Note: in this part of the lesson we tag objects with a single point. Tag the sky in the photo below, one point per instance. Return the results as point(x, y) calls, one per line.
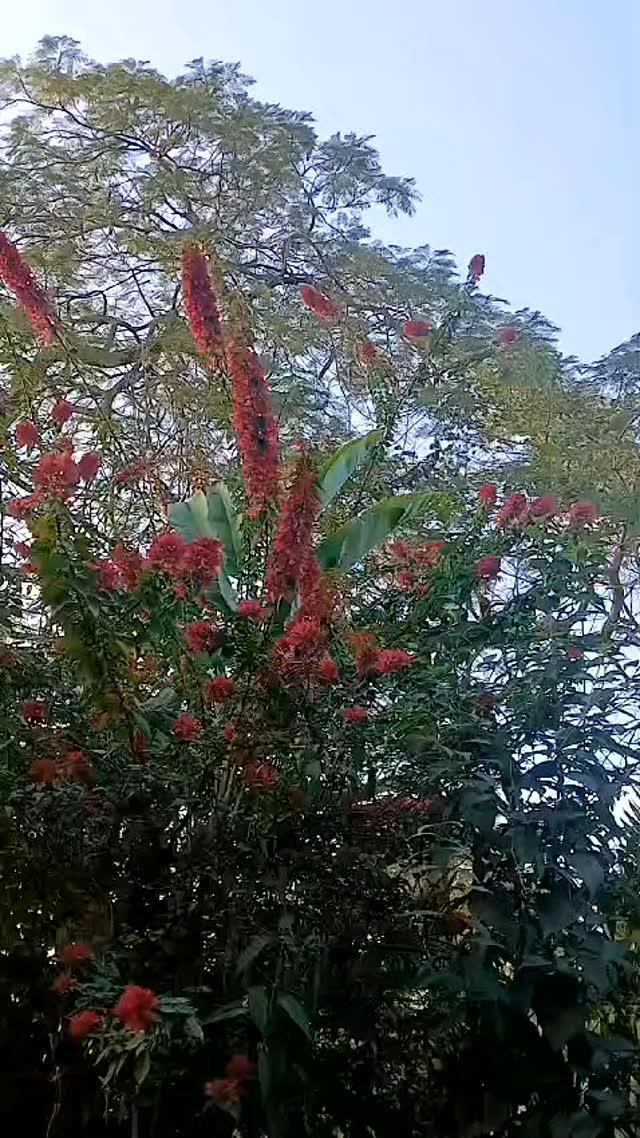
point(519, 120)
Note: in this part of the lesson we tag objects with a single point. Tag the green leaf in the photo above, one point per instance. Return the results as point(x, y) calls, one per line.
point(142, 1067)
point(259, 1007)
point(253, 951)
point(229, 1011)
point(295, 1011)
point(353, 541)
point(191, 518)
point(224, 524)
point(343, 463)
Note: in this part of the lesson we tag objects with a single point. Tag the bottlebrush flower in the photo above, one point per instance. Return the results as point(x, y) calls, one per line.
point(187, 728)
point(512, 509)
point(202, 560)
point(476, 266)
point(355, 714)
point(239, 1067)
point(260, 776)
point(26, 434)
point(130, 565)
point(76, 952)
point(201, 306)
point(20, 280)
point(292, 542)
point(63, 984)
point(33, 711)
point(223, 1092)
point(166, 553)
point(108, 574)
point(506, 336)
point(582, 514)
point(56, 474)
point(219, 689)
point(544, 507)
point(416, 329)
point(574, 652)
point(136, 1008)
point(199, 635)
point(131, 473)
point(61, 411)
point(20, 508)
point(486, 568)
point(84, 1023)
point(45, 771)
point(367, 353)
point(487, 496)
point(322, 306)
point(89, 465)
point(327, 671)
point(250, 610)
point(390, 660)
point(255, 427)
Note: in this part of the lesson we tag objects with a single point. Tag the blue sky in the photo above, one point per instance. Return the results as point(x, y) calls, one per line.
point(519, 119)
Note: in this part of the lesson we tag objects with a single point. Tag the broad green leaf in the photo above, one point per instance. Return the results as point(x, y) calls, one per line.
point(259, 1007)
point(191, 518)
point(295, 1011)
point(229, 1011)
point(354, 540)
point(223, 521)
point(212, 517)
point(253, 950)
point(342, 464)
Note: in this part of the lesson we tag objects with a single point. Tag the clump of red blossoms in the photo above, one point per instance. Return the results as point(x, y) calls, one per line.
point(20, 508)
point(476, 266)
point(89, 465)
point(260, 776)
point(56, 474)
point(367, 353)
point(355, 714)
point(487, 495)
point(506, 336)
point(219, 689)
point(63, 984)
point(199, 635)
point(45, 771)
point(129, 564)
point(512, 509)
point(327, 670)
point(187, 728)
point(201, 306)
point(292, 542)
point(228, 1091)
point(544, 507)
point(574, 652)
point(255, 427)
point(202, 560)
point(131, 473)
point(166, 553)
point(136, 1008)
point(33, 711)
point(20, 280)
point(77, 952)
point(487, 568)
point(84, 1023)
point(322, 306)
point(390, 660)
point(416, 329)
point(582, 514)
point(250, 610)
point(61, 411)
point(26, 434)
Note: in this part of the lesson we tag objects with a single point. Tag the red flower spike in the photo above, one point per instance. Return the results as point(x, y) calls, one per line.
point(201, 306)
point(255, 427)
point(108, 574)
point(574, 652)
point(26, 434)
point(77, 952)
point(292, 542)
point(487, 496)
point(260, 776)
point(327, 671)
point(239, 1068)
point(45, 771)
point(476, 266)
point(187, 728)
point(33, 711)
point(416, 329)
point(544, 507)
point(199, 635)
point(512, 509)
point(20, 280)
point(322, 306)
point(202, 560)
point(56, 474)
point(20, 508)
point(63, 984)
point(250, 610)
point(219, 689)
point(229, 731)
point(355, 714)
point(89, 465)
point(506, 336)
point(367, 353)
point(136, 1008)
point(61, 411)
point(223, 1092)
point(582, 514)
point(390, 660)
point(84, 1023)
point(487, 568)
point(129, 564)
point(166, 553)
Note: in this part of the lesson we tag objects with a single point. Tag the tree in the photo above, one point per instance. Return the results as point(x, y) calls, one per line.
point(308, 807)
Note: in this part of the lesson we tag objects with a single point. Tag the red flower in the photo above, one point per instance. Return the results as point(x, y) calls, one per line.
point(108, 574)
point(198, 635)
point(506, 336)
point(224, 1092)
point(255, 427)
point(45, 771)
point(84, 1023)
point(202, 560)
point(292, 542)
point(544, 507)
point(260, 776)
point(327, 670)
point(574, 652)
point(187, 728)
point(61, 411)
point(476, 266)
point(166, 553)
point(582, 514)
point(55, 474)
point(392, 660)
point(131, 473)
point(404, 579)
point(77, 952)
point(416, 329)
point(367, 353)
point(89, 465)
point(33, 711)
point(26, 434)
point(136, 1008)
point(229, 731)
point(239, 1068)
point(250, 610)
point(20, 508)
point(355, 714)
point(201, 306)
point(129, 564)
point(512, 509)
point(487, 495)
point(219, 689)
point(63, 984)
point(365, 650)
point(19, 279)
point(486, 568)
point(322, 306)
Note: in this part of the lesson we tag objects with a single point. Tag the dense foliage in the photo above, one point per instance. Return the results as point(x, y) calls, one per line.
point(312, 737)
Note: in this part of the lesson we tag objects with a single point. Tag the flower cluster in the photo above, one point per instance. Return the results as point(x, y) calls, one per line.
point(476, 266)
point(255, 427)
point(136, 1008)
point(415, 562)
point(417, 330)
point(61, 412)
point(487, 568)
point(20, 280)
point(367, 353)
point(187, 728)
point(322, 306)
point(199, 635)
point(374, 661)
point(201, 306)
point(228, 1091)
point(292, 542)
point(219, 689)
point(26, 434)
